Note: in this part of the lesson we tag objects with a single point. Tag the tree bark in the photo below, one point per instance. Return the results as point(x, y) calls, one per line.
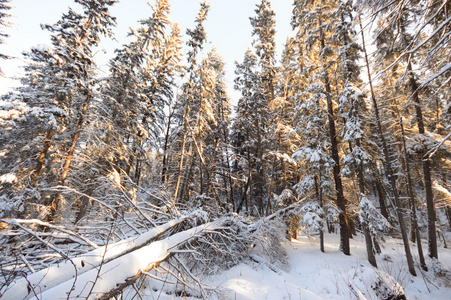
point(164, 168)
point(180, 170)
point(415, 228)
point(54, 206)
point(388, 164)
point(432, 236)
point(341, 201)
point(380, 194)
point(368, 239)
point(41, 158)
point(319, 196)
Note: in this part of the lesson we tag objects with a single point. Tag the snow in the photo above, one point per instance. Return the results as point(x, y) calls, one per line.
point(8, 178)
point(332, 275)
point(109, 274)
point(55, 275)
point(308, 274)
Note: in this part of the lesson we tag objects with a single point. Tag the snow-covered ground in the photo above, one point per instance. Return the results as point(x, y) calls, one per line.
point(312, 275)
point(332, 275)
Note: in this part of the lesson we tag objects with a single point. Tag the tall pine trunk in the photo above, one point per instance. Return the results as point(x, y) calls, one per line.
point(415, 228)
point(54, 206)
point(164, 168)
point(341, 202)
point(432, 237)
point(319, 196)
point(41, 158)
point(388, 165)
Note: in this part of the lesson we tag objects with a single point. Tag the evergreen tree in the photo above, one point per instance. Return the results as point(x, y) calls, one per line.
point(58, 86)
point(263, 25)
point(315, 22)
point(244, 129)
point(140, 87)
point(397, 38)
point(389, 163)
point(186, 121)
point(4, 7)
point(352, 105)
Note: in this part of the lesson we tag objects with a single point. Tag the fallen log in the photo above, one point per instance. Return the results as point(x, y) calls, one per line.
point(123, 271)
point(39, 282)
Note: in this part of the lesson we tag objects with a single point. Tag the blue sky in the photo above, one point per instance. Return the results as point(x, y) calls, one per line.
point(228, 28)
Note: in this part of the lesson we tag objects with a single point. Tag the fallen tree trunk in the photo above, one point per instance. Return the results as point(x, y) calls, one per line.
point(48, 278)
point(119, 273)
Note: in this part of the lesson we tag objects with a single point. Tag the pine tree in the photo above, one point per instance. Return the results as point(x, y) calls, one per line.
point(310, 122)
point(263, 25)
point(185, 104)
point(58, 87)
point(244, 127)
point(315, 21)
point(4, 7)
point(389, 169)
point(140, 87)
point(352, 106)
point(399, 43)
point(217, 109)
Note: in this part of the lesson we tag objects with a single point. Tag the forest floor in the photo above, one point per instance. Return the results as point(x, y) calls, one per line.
point(312, 275)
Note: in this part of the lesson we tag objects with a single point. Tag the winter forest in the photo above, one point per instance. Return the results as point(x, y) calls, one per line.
point(328, 178)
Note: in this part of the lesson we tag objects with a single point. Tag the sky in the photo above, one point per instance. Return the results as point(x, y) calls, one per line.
point(228, 29)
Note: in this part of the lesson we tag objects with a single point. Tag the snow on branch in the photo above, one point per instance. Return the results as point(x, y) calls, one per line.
point(55, 275)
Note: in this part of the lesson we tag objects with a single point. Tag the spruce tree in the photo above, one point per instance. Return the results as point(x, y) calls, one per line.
point(4, 7)
point(59, 85)
point(263, 32)
point(244, 127)
point(140, 88)
point(315, 22)
point(388, 163)
point(186, 121)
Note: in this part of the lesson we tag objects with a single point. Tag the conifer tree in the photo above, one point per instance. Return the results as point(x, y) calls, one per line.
point(140, 87)
point(185, 104)
point(291, 81)
point(388, 163)
point(58, 87)
point(4, 7)
point(244, 128)
point(217, 109)
point(315, 20)
point(397, 38)
point(352, 106)
point(263, 25)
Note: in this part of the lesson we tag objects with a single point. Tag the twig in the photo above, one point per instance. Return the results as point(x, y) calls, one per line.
point(39, 222)
point(15, 223)
point(158, 278)
point(103, 259)
point(59, 188)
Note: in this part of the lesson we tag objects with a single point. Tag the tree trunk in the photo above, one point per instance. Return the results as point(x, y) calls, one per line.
point(368, 239)
point(388, 164)
point(261, 170)
point(319, 196)
point(244, 197)
point(180, 170)
point(54, 206)
point(190, 165)
point(415, 228)
point(41, 158)
point(164, 168)
point(77, 133)
point(211, 170)
point(432, 237)
point(341, 202)
point(251, 194)
point(380, 194)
